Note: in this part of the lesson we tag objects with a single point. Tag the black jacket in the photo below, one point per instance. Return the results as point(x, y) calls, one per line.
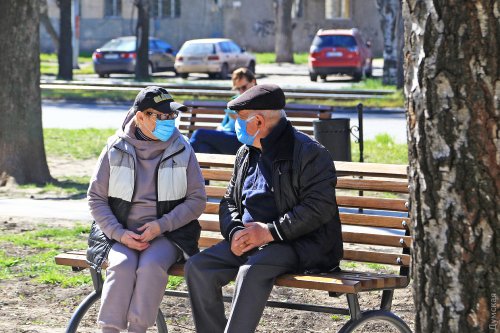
point(303, 181)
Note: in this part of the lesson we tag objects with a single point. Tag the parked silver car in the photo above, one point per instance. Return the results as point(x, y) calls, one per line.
point(218, 57)
point(119, 56)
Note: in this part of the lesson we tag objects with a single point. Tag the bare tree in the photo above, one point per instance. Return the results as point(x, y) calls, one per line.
point(452, 84)
point(45, 20)
point(22, 154)
point(283, 43)
point(65, 51)
point(142, 34)
point(390, 12)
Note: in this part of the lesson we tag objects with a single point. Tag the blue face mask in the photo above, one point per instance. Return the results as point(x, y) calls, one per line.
point(241, 131)
point(164, 129)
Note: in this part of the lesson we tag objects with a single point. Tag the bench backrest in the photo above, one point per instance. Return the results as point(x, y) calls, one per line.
point(375, 223)
point(209, 114)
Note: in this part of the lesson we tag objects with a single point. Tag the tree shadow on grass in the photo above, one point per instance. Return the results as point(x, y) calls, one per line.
point(66, 189)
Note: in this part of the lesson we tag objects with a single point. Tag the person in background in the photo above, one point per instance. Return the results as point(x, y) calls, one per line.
point(223, 140)
point(279, 215)
point(145, 196)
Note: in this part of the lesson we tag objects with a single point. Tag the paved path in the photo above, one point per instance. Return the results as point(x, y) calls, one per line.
point(45, 208)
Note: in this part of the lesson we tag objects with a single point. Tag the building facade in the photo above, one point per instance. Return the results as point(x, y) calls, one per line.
point(250, 23)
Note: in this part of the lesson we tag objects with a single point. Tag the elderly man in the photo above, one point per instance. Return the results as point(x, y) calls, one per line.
point(279, 215)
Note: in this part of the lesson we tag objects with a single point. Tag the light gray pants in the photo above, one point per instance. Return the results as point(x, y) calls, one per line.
point(135, 284)
point(209, 270)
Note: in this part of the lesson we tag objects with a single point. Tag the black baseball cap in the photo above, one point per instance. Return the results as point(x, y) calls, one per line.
point(259, 97)
point(157, 98)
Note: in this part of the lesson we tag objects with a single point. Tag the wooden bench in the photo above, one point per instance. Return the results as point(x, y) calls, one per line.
point(375, 230)
point(209, 114)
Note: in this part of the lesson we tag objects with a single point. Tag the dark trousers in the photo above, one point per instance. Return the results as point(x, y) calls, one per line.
point(209, 270)
point(214, 142)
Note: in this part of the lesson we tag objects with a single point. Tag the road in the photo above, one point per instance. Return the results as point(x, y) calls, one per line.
point(107, 115)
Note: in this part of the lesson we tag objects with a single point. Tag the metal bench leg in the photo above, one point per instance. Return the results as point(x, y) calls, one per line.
point(383, 316)
point(354, 309)
point(81, 310)
point(85, 305)
point(386, 302)
point(161, 324)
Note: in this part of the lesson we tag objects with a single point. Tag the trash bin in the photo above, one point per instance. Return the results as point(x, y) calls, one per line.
point(335, 135)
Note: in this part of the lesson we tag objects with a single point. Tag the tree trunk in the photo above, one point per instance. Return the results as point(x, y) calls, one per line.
point(452, 73)
point(65, 52)
point(22, 154)
point(390, 11)
point(142, 35)
point(44, 19)
point(283, 43)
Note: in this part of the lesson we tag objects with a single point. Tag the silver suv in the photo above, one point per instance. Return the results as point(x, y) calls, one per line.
point(218, 57)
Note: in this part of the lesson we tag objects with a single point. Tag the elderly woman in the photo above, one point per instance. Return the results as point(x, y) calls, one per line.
point(145, 196)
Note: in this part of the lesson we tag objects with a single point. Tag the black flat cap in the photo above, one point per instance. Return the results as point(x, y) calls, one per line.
point(259, 97)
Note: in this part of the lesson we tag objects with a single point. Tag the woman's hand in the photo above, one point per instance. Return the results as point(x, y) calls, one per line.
point(133, 241)
point(150, 231)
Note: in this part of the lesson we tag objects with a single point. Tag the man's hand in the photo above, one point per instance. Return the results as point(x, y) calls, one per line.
point(254, 235)
point(237, 244)
point(132, 240)
point(150, 231)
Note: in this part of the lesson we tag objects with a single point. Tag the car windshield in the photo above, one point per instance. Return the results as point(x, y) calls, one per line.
point(201, 48)
point(334, 41)
point(123, 45)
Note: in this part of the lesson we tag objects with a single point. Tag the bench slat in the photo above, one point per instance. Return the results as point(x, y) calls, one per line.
point(372, 203)
point(343, 168)
point(377, 257)
point(372, 185)
point(217, 174)
point(343, 201)
point(345, 281)
point(371, 239)
point(374, 220)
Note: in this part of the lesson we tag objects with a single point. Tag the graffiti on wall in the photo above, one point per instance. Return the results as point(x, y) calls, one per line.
point(264, 28)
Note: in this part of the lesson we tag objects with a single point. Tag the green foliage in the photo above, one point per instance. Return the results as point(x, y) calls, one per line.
point(348, 265)
point(336, 317)
point(76, 143)
point(174, 282)
point(49, 64)
point(270, 58)
point(40, 248)
point(382, 149)
point(372, 83)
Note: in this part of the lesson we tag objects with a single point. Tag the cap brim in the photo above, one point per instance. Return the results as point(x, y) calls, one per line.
point(170, 106)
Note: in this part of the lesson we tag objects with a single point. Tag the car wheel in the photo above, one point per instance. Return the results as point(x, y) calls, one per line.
point(323, 77)
point(251, 66)
point(369, 70)
point(313, 76)
point(184, 75)
point(357, 75)
point(102, 75)
point(212, 75)
point(224, 71)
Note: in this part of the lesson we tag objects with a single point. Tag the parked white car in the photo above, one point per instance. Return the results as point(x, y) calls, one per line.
point(217, 57)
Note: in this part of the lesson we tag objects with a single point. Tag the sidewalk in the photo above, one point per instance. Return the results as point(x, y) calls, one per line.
point(45, 208)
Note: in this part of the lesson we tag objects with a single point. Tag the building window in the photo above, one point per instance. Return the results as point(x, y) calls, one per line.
point(165, 8)
point(335, 9)
point(112, 8)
